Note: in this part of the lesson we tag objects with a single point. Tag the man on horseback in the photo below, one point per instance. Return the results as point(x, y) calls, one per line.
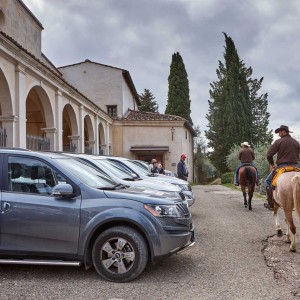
point(287, 150)
point(246, 156)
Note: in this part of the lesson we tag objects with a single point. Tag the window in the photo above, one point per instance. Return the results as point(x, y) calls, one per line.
point(27, 175)
point(112, 110)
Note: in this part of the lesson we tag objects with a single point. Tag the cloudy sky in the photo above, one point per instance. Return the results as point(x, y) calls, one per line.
point(141, 36)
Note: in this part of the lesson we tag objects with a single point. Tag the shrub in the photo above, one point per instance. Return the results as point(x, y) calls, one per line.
point(227, 177)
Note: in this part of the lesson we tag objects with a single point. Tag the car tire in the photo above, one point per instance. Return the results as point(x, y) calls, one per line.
point(120, 254)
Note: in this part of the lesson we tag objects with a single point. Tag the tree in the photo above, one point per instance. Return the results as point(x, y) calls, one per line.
point(148, 102)
point(179, 103)
point(203, 168)
point(236, 114)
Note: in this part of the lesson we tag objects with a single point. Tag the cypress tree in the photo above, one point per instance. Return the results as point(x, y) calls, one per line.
point(179, 103)
point(235, 113)
point(148, 102)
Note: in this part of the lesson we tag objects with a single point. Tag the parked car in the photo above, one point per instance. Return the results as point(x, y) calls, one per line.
point(117, 174)
point(141, 172)
point(55, 210)
point(170, 173)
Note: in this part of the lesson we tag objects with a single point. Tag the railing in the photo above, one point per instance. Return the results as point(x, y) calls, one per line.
point(37, 143)
point(3, 137)
point(69, 148)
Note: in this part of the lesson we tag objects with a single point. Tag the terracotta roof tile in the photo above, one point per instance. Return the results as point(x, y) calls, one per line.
point(135, 115)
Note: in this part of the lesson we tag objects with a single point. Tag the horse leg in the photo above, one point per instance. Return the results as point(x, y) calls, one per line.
point(277, 224)
point(250, 201)
point(291, 231)
point(245, 195)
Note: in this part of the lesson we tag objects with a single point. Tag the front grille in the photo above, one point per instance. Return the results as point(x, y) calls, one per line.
point(184, 209)
point(182, 196)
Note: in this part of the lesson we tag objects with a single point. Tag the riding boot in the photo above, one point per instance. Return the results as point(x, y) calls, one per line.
point(270, 198)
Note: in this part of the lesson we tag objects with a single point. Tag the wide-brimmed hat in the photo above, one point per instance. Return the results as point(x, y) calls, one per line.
point(245, 144)
point(283, 127)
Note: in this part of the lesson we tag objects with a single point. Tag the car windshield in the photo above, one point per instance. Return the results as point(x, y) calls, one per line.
point(135, 168)
point(141, 164)
point(114, 169)
point(87, 174)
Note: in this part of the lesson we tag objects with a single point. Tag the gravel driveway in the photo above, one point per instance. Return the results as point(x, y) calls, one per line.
point(236, 256)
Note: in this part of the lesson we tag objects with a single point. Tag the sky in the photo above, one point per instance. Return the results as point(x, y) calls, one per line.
point(141, 35)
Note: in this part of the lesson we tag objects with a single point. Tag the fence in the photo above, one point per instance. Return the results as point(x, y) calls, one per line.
point(3, 137)
point(37, 143)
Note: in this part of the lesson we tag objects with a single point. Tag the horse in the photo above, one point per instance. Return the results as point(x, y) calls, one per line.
point(287, 196)
point(247, 179)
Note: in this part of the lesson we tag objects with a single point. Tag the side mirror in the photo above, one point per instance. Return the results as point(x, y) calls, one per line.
point(62, 189)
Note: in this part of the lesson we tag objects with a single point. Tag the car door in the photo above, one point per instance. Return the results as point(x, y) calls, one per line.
point(32, 220)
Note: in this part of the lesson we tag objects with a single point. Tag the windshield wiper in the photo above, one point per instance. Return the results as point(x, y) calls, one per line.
point(128, 178)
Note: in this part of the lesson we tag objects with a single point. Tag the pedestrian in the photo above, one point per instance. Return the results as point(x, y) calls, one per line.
point(160, 168)
point(153, 160)
point(246, 156)
point(182, 170)
point(287, 150)
point(155, 167)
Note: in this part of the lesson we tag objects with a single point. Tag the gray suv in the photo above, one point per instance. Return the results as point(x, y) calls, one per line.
point(57, 211)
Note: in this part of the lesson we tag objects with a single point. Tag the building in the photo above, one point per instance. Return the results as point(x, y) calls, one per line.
point(86, 107)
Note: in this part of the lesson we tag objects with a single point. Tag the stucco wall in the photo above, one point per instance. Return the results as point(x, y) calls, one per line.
point(104, 85)
point(146, 133)
point(19, 24)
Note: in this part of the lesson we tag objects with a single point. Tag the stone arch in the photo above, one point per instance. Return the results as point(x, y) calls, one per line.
point(39, 120)
point(6, 113)
point(70, 128)
point(89, 139)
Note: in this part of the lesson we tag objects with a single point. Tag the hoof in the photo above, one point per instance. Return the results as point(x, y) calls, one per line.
point(293, 250)
point(279, 232)
point(250, 208)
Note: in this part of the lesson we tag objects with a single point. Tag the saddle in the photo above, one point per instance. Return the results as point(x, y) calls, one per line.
point(277, 172)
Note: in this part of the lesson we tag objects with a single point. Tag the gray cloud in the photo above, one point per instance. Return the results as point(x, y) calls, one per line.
point(142, 35)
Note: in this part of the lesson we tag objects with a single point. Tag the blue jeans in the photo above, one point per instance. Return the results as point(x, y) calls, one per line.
point(269, 178)
point(236, 173)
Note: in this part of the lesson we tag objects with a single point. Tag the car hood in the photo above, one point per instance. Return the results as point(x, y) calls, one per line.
point(156, 184)
point(142, 195)
point(169, 179)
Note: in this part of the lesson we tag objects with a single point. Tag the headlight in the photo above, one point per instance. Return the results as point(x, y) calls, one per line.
point(163, 210)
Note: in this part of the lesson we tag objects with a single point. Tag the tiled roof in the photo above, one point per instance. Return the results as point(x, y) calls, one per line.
point(135, 115)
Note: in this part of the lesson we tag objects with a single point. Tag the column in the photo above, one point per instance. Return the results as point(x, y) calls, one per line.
point(81, 130)
point(9, 124)
point(20, 129)
point(50, 134)
point(59, 120)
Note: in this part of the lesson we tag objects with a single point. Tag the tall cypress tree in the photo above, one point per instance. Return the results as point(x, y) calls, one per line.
point(179, 103)
point(148, 102)
point(235, 113)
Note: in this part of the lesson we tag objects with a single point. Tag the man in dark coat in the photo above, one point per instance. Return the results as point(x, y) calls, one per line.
point(182, 170)
point(287, 150)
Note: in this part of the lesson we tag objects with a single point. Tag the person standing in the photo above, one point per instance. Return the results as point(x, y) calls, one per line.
point(151, 165)
point(287, 150)
point(182, 170)
point(246, 156)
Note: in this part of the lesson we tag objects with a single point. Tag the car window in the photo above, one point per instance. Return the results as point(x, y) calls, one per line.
point(29, 175)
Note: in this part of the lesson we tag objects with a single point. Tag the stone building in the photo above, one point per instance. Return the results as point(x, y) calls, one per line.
point(85, 107)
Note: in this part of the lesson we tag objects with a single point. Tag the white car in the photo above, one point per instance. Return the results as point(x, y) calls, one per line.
point(140, 172)
point(117, 174)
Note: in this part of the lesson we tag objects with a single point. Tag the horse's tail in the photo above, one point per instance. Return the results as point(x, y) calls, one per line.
point(296, 193)
point(249, 175)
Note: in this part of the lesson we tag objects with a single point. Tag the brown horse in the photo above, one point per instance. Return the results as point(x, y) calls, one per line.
point(287, 196)
point(247, 179)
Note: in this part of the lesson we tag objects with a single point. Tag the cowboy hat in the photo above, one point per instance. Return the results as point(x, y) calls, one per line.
point(245, 144)
point(283, 127)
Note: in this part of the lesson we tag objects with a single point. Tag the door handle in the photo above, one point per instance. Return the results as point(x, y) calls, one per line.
point(5, 207)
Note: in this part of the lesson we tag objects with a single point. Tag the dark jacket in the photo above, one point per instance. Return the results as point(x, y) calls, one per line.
point(182, 171)
point(287, 150)
point(246, 155)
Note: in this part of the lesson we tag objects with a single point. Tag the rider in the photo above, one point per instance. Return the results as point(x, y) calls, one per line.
point(287, 149)
point(246, 156)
